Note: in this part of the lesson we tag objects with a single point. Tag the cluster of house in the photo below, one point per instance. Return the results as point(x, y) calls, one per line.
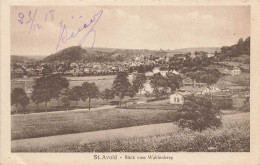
point(95, 67)
point(21, 69)
point(221, 91)
point(162, 72)
point(79, 68)
point(183, 56)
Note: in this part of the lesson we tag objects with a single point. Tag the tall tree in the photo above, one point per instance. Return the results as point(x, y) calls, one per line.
point(36, 98)
point(47, 88)
point(159, 84)
point(107, 94)
point(89, 91)
point(131, 92)
point(138, 82)
point(65, 98)
point(121, 85)
point(19, 97)
point(173, 81)
point(75, 94)
point(59, 84)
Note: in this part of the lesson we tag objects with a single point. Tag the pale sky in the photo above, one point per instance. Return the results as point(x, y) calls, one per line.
point(127, 27)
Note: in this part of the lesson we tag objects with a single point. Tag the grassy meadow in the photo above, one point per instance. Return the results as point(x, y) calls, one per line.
point(232, 136)
point(49, 124)
point(161, 104)
point(102, 82)
point(243, 79)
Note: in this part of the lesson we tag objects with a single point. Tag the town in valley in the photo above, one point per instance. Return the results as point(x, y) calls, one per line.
point(155, 79)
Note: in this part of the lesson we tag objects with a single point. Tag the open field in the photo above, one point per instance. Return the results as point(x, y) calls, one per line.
point(233, 136)
point(243, 79)
point(39, 125)
point(236, 64)
point(161, 105)
point(102, 82)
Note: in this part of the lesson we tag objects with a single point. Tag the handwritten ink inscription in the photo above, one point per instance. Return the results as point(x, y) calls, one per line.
point(63, 36)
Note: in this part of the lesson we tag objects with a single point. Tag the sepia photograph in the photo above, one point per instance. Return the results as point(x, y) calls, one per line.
point(130, 79)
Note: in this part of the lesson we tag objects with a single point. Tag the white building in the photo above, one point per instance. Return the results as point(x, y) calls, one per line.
point(74, 65)
point(147, 88)
point(179, 97)
point(236, 71)
point(218, 88)
point(148, 74)
point(233, 72)
point(174, 72)
point(156, 70)
point(210, 55)
point(137, 58)
point(163, 72)
point(192, 55)
point(205, 91)
point(87, 70)
point(214, 88)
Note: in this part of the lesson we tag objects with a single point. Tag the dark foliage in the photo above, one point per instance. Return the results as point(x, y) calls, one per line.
point(19, 97)
point(198, 113)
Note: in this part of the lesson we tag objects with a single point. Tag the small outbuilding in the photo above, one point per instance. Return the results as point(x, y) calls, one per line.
point(179, 97)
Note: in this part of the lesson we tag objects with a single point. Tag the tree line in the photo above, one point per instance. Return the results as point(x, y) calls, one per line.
point(49, 87)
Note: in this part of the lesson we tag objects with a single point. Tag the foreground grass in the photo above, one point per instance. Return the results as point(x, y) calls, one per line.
point(231, 137)
point(49, 124)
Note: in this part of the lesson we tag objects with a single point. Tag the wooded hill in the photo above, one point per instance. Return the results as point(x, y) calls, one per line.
point(242, 47)
point(76, 53)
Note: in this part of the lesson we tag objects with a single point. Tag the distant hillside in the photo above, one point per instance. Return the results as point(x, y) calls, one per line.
point(204, 49)
point(23, 59)
point(76, 53)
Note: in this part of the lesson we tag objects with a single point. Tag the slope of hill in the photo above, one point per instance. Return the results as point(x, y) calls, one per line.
point(23, 59)
point(70, 54)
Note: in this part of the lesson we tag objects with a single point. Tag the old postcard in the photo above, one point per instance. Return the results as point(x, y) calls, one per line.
point(154, 82)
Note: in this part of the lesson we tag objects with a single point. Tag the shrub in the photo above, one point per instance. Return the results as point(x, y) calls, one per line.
point(197, 113)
